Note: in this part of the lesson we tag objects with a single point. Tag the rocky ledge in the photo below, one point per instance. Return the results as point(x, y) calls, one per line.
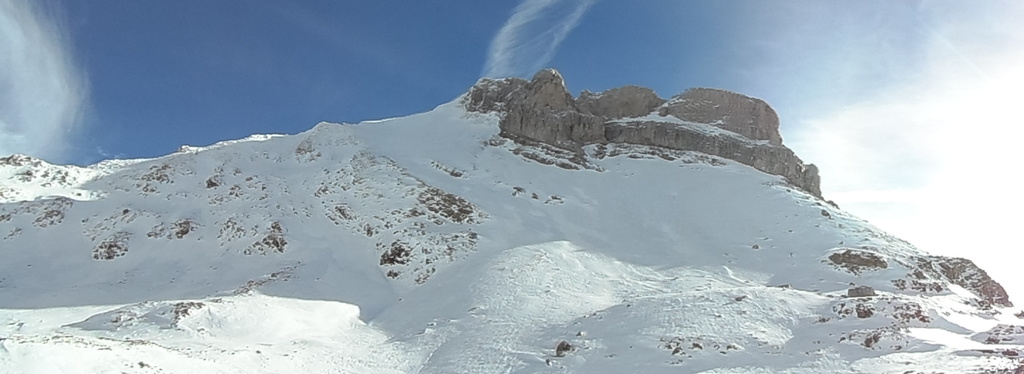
point(711, 121)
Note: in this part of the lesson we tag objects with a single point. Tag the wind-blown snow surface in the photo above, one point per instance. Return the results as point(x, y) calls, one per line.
point(427, 244)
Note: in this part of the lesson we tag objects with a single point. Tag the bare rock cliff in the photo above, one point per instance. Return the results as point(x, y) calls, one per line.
point(543, 110)
point(622, 102)
point(778, 160)
point(747, 116)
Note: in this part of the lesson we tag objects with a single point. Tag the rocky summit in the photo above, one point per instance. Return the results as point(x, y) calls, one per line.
point(710, 121)
point(514, 229)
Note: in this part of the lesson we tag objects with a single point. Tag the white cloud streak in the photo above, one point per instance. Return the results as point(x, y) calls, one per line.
point(934, 157)
point(531, 36)
point(42, 93)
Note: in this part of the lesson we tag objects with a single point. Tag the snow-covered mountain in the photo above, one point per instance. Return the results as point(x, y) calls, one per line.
point(514, 229)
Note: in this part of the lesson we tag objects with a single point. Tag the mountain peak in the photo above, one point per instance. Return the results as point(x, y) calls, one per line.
point(712, 121)
point(548, 76)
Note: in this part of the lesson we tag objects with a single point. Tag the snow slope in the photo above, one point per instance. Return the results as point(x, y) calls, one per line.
point(427, 244)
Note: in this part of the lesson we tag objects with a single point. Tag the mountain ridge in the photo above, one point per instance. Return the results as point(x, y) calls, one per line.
point(443, 242)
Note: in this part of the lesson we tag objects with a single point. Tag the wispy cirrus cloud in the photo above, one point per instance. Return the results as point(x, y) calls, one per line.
point(531, 36)
point(42, 92)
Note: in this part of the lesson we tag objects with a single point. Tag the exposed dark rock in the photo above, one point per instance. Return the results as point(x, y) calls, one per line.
point(964, 273)
point(922, 285)
point(448, 205)
point(1000, 334)
point(183, 309)
point(855, 261)
point(113, 247)
point(273, 242)
point(176, 230)
point(542, 110)
point(864, 310)
point(398, 254)
point(562, 348)
point(872, 339)
point(17, 159)
point(862, 291)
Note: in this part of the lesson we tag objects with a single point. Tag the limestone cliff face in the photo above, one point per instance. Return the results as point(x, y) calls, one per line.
point(747, 116)
point(622, 102)
point(543, 110)
point(540, 110)
point(772, 159)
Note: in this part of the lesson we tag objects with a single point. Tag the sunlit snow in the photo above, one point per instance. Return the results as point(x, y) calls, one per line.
point(266, 257)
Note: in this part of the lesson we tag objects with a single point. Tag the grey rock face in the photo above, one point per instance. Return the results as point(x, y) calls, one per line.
point(622, 102)
point(547, 91)
point(490, 95)
point(744, 115)
point(768, 158)
point(543, 110)
point(862, 291)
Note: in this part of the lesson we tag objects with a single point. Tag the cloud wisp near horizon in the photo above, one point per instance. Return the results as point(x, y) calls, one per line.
point(43, 91)
point(531, 36)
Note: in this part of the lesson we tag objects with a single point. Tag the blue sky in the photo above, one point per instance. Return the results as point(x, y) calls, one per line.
point(908, 107)
point(159, 74)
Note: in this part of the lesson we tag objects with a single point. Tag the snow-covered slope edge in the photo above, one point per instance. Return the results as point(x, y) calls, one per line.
point(430, 244)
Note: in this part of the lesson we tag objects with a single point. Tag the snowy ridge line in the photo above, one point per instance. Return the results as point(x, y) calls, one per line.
point(427, 244)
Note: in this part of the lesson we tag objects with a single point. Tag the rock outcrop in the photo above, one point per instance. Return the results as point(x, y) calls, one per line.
point(966, 274)
point(543, 110)
point(861, 291)
point(622, 102)
point(492, 95)
point(778, 160)
point(715, 122)
point(747, 116)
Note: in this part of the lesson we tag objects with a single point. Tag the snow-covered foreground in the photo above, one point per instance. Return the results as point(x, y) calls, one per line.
point(426, 244)
point(502, 314)
point(253, 334)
